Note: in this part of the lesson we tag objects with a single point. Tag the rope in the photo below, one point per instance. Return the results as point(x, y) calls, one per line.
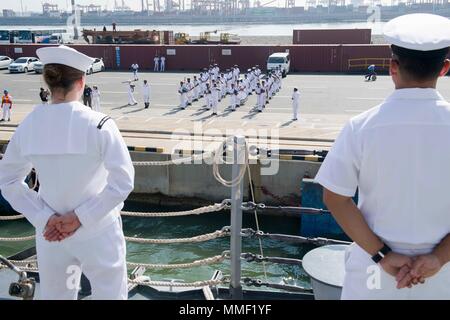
point(196, 284)
point(9, 218)
point(196, 263)
point(201, 238)
point(174, 161)
point(256, 218)
point(27, 238)
point(218, 157)
point(225, 204)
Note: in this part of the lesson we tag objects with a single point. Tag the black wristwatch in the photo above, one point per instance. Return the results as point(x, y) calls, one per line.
point(381, 254)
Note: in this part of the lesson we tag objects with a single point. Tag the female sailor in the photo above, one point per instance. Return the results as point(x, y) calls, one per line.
point(85, 173)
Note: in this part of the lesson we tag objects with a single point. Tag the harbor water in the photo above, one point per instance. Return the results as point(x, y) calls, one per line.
point(189, 226)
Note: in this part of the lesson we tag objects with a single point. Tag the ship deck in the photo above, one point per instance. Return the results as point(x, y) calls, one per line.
point(327, 102)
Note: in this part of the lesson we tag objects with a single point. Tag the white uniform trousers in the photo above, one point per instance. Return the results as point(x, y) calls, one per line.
point(101, 257)
point(233, 101)
point(365, 280)
point(96, 104)
point(6, 112)
point(131, 99)
point(295, 107)
point(163, 66)
point(183, 100)
point(135, 75)
point(260, 101)
point(215, 104)
point(146, 98)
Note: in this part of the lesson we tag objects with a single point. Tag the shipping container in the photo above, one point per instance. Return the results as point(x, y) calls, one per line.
point(332, 36)
point(304, 58)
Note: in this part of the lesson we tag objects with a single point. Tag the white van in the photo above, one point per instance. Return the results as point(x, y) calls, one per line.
point(61, 38)
point(279, 59)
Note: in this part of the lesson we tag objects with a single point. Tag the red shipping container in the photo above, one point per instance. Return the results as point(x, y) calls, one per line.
point(332, 36)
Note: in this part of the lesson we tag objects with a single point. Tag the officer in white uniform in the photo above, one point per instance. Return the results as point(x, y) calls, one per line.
point(295, 104)
point(215, 93)
point(95, 98)
point(156, 61)
point(182, 90)
point(163, 64)
point(146, 94)
point(85, 173)
point(397, 154)
point(131, 100)
point(135, 68)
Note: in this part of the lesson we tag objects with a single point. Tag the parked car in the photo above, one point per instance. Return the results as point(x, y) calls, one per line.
point(38, 67)
point(96, 66)
point(23, 64)
point(5, 62)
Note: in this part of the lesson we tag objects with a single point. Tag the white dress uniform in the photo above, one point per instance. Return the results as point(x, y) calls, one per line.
point(183, 100)
point(96, 100)
point(146, 92)
point(295, 104)
point(215, 93)
point(81, 168)
point(135, 68)
point(131, 100)
point(156, 61)
point(162, 67)
point(403, 191)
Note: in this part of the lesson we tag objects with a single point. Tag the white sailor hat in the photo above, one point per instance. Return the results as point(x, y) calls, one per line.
point(418, 31)
point(66, 56)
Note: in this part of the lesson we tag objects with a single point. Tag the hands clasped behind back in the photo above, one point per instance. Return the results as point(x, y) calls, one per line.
point(60, 227)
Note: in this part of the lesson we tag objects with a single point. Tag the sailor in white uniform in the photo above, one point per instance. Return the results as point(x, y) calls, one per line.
point(295, 104)
point(182, 90)
point(156, 62)
point(135, 68)
point(163, 64)
point(146, 94)
point(85, 173)
point(95, 98)
point(401, 226)
point(215, 93)
point(130, 89)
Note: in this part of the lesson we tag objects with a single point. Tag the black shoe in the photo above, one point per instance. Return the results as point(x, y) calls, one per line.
point(214, 114)
point(2, 120)
point(9, 119)
point(259, 110)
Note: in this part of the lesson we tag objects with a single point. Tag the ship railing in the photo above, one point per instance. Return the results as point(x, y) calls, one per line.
point(240, 166)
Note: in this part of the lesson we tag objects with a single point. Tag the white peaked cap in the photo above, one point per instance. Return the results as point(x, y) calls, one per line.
point(66, 56)
point(418, 31)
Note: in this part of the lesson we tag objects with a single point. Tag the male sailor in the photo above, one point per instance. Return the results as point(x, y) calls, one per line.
point(401, 225)
point(259, 97)
point(215, 92)
point(6, 106)
point(190, 91)
point(196, 89)
point(163, 64)
point(85, 173)
point(182, 90)
point(135, 69)
point(156, 63)
point(146, 94)
point(233, 97)
point(95, 98)
point(131, 100)
point(208, 97)
point(295, 104)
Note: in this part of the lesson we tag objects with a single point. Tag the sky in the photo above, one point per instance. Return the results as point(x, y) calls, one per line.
point(36, 5)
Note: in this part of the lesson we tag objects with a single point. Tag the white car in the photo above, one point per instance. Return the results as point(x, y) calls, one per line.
point(38, 67)
point(279, 59)
point(5, 62)
point(23, 64)
point(97, 66)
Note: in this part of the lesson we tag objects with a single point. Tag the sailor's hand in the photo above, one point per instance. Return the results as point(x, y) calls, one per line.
point(51, 233)
point(68, 223)
point(423, 266)
point(394, 263)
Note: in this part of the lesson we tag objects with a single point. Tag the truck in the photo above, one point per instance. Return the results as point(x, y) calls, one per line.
point(61, 38)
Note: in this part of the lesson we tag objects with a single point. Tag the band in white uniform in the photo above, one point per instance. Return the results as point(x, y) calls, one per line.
point(85, 173)
point(401, 226)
